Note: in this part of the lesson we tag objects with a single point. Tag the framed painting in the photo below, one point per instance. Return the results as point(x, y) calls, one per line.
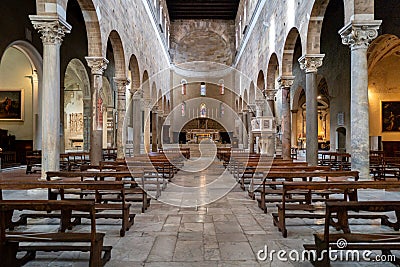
point(12, 104)
point(390, 116)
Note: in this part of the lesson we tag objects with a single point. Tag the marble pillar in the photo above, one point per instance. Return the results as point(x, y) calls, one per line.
point(97, 65)
point(245, 129)
point(154, 128)
point(87, 111)
point(294, 127)
point(161, 119)
point(358, 35)
point(52, 30)
point(250, 132)
point(137, 119)
point(285, 83)
point(240, 145)
point(146, 135)
point(121, 84)
point(310, 64)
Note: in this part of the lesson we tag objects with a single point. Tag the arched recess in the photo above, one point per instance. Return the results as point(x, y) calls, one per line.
point(77, 106)
point(260, 85)
point(160, 99)
point(119, 56)
point(252, 93)
point(37, 73)
point(287, 58)
point(153, 94)
point(272, 72)
point(245, 99)
point(108, 114)
point(135, 73)
point(20, 100)
point(146, 85)
point(91, 22)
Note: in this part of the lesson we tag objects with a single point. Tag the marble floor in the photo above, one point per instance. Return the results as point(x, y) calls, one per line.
point(192, 225)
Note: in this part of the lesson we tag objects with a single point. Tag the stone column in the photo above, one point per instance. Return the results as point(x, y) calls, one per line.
point(240, 145)
point(36, 113)
point(358, 35)
point(86, 123)
point(294, 127)
point(245, 129)
point(285, 83)
point(97, 65)
point(53, 30)
point(250, 132)
point(146, 137)
point(137, 119)
point(154, 128)
point(121, 112)
point(269, 109)
point(161, 119)
point(310, 64)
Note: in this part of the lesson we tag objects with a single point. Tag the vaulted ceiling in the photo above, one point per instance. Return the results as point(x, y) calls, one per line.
point(202, 9)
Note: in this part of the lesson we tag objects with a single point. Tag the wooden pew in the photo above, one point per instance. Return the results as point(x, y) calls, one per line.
point(95, 188)
point(355, 241)
point(270, 178)
point(54, 241)
point(348, 189)
point(133, 193)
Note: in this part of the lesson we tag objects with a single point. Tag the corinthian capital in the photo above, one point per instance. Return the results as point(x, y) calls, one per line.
point(52, 28)
point(311, 62)
point(285, 81)
point(121, 83)
point(97, 64)
point(270, 94)
point(358, 34)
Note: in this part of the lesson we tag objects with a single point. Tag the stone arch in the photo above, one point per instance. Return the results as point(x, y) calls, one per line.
point(245, 99)
point(76, 69)
point(288, 52)
point(91, 21)
point(76, 106)
point(160, 98)
point(146, 85)
point(260, 85)
point(296, 97)
point(272, 71)
point(382, 47)
point(351, 8)
point(135, 73)
point(252, 93)
point(118, 52)
point(153, 94)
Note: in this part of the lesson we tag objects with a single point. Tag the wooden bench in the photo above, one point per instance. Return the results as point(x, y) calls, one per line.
point(270, 181)
point(132, 192)
point(10, 241)
point(348, 189)
point(97, 189)
point(384, 241)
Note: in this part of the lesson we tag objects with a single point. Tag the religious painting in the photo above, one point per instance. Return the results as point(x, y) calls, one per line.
point(12, 104)
point(203, 110)
point(390, 116)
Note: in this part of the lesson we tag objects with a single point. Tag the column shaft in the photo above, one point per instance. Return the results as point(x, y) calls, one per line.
point(52, 30)
point(137, 126)
point(312, 119)
point(154, 129)
point(121, 109)
point(146, 138)
point(97, 65)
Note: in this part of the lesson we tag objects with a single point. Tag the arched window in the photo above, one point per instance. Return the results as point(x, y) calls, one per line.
point(221, 87)
point(203, 110)
point(203, 89)
point(183, 84)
